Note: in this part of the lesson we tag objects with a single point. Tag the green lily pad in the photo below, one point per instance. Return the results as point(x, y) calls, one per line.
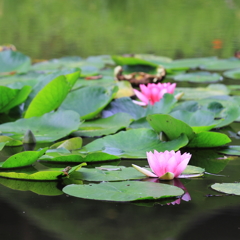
point(120, 173)
point(209, 139)
point(188, 63)
point(124, 89)
point(197, 119)
point(77, 156)
point(104, 126)
point(199, 93)
point(22, 159)
point(132, 61)
point(230, 150)
point(48, 175)
point(123, 191)
point(234, 74)
point(88, 106)
point(51, 96)
point(69, 144)
point(229, 188)
point(221, 64)
point(107, 174)
point(14, 61)
point(10, 142)
point(171, 126)
point(199, 77)
point(134, 143)
point(47, 128)
point(10, 98)
point(126, 105)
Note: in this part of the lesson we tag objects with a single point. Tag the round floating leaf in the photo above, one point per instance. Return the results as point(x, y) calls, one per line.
point(107, 173)
point(124, 105)
point(234, 74)
point(38, 176)
point(132, 61)
point(221, 64)
point(209, 139)
point(188, 63)
point(76, 156)
point(231, 150)
point(172, 127)
point(10, 142)
point(229, 188)
point(50, 97)
point(14, 61)
point(47, 128)
point(104, 126)
point(134, 143)
point(165, 105)
point(199, 93)
point(10, 98)
point(88, 106)
point(199, 77)
point(22, 159)
point(47, 175)
point(69, 144)
point(123, 191)
point(200, 120)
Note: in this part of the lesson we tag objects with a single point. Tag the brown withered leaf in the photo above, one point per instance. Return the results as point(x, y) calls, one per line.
point(137, 78)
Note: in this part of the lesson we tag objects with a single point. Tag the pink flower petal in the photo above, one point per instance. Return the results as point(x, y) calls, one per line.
point(142, 97)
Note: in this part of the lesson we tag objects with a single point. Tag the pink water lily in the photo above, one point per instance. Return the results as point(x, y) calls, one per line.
point(153, 92)
point(165, 165)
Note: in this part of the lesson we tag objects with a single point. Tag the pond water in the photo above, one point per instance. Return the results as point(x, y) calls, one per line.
point(51, 29)
point(46, 29)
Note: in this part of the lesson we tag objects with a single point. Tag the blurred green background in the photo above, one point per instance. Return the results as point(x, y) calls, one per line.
point(46, 29)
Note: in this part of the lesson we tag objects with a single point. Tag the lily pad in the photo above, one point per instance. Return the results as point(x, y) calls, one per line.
point(209, 139)
point(47, 128)
point(48, 175)
point(107, 174)
point(234, 74)
point(134, 143)
point(22, 159)
point(14, 61)
point(10, 98)
point(171, 126)
point(221, 64)
point(123, 191)
point(104, 126)
point(10, 142)
point(188, 63)
point(51, 96)
point(88, 106)
point(77, 156)
point(69, 144)
point(199, 77)
point(230, 150)
point(132, 61)
point(229, 188)
point(199, 93)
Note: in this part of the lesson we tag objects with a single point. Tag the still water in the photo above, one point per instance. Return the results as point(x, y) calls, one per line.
point(46, 29)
